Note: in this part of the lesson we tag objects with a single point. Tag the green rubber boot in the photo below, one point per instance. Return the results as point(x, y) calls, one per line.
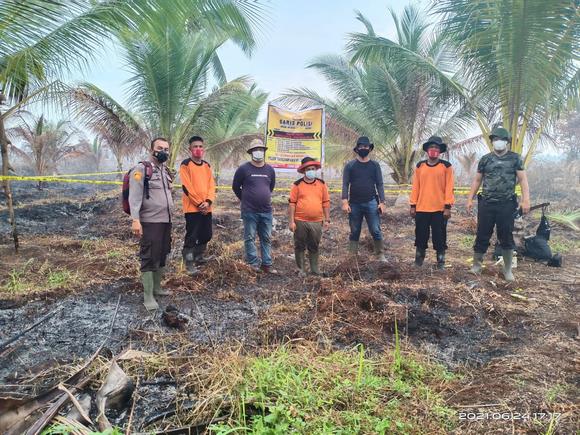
point(508, 256)
point(148, 299)
point(379, 251)
point(299, 257)
point(353, 247)
point(477, 263)
point(157, 277)
point(313, 259)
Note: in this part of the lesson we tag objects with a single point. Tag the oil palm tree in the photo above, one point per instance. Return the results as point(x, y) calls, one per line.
point(43, 144)
point(396, 103)
point(41, 40)
point(519, 60)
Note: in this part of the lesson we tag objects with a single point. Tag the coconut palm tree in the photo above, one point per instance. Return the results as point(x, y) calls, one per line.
point(396, 103)
point(519, 60)
point(168, 91)
point(228, 136)
point(41, 40)
point(43, 143)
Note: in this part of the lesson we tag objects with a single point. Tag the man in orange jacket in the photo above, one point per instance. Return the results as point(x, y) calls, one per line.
point(431, 201)
point(198, 197)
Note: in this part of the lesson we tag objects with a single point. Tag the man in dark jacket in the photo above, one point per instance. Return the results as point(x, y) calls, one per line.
point(363, 196)
point(151, 218)
point(253, 184)
point(499, 171)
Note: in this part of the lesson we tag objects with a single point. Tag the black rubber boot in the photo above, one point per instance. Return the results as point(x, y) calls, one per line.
point(441, 260)
point(419, 257)
point(189, 261)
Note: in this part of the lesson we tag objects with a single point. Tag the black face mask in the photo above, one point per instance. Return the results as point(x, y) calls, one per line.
point(363, 152)
point(161, 156)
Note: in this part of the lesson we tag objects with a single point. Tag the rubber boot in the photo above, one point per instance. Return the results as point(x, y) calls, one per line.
point(157, 277)
point(419, 257)
point(477, 263)
point(299, 257)
point(353, 247)
point(149, 301)
point(379, 251)
point(199, 256)
point(441, 260)
point(508, 255)
point(313, 259)
point(188, 260)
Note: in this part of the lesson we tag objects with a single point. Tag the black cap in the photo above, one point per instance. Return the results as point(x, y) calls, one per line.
point(435, 140)
point(363, 140)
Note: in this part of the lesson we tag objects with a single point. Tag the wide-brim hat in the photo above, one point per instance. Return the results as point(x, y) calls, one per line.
point(363, 140)
point(256, 143)
point(308, 161)
point(435, 140)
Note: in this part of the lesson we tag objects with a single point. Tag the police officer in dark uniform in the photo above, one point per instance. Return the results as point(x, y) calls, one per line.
point(499, 171)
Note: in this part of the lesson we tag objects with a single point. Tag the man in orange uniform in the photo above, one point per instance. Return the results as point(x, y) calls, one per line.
point(431, 201)
point(308, 213)
point(198, 197)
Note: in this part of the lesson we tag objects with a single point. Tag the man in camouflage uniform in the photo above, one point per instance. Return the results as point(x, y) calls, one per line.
point(499, 171)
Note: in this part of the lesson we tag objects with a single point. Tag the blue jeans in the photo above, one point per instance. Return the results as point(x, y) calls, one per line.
point(369, 211)
point(260, 223)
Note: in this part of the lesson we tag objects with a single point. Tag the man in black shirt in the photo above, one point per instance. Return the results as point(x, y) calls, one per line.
point(363, 196)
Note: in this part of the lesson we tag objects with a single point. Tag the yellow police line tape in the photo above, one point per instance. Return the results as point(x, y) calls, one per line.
point(55, 179)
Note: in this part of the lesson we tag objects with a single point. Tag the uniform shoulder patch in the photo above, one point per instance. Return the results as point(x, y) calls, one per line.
point(186, 162)
point(137, 175)
point(421, 162)
point(297, 182)
point(446, 163)
point(321, 180)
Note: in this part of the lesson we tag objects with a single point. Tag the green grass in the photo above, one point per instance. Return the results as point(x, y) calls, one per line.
point(563, 246)
point(340, 392)
point(467, 241)
point(22, 279)
point(63, 429)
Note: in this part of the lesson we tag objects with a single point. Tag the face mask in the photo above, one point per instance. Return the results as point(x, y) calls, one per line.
point(258, 155)
point(499, 145)
point(363, 152)
point(197, 153)
point(310, 173)
point(433, 153)
point(161, 156)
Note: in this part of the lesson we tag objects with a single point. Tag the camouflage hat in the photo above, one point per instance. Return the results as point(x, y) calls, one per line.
point(501, 133)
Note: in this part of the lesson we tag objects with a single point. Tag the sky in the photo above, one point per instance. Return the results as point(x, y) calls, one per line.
point(294, 32)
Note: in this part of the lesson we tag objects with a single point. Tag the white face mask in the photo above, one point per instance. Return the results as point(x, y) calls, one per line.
point(311, 174)
point(500, 144)
point(258, 155)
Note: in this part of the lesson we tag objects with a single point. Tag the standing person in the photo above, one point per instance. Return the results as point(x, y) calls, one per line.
point(363, 196)
point(198, 197)
point(499, 171)
point(431, 201)
point(308, 213)
point(151, 202)
point(253, 184)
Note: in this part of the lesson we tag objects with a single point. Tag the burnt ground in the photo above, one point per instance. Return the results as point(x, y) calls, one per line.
point(514, 353)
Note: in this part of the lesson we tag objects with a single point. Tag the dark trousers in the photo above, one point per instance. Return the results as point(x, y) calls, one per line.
point(155, 244)
point(434, 223)
point(499, 214)
point(307, 236)
point(198, 229)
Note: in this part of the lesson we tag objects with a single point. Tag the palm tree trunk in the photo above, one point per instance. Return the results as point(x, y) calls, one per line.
point(7, 191)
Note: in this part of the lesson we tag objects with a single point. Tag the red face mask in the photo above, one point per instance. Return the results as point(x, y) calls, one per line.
point(197, 153)
point(433, 153)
